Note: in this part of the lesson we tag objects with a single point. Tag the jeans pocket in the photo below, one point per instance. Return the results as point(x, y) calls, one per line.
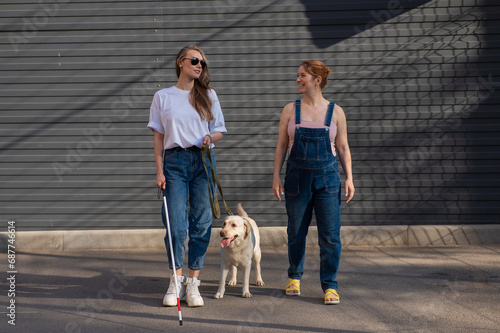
point(332, 179)
point(168, 153)
point(291, 180)
point(170, 157)
point(171, 162)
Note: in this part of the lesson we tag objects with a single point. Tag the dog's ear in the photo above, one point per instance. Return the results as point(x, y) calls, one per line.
point(248, 229)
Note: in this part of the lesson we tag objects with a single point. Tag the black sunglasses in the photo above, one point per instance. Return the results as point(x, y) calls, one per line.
point(195, 61)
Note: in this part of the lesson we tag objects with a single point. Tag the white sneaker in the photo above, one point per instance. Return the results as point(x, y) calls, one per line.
point(193, 297)
point(170, 298)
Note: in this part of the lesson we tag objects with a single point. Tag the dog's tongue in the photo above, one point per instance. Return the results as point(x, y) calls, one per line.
point(225, 242)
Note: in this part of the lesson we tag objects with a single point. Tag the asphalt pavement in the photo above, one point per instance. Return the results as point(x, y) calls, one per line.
point(382, 289)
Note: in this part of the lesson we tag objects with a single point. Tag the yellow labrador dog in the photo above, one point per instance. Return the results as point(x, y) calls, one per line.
point(240, 246)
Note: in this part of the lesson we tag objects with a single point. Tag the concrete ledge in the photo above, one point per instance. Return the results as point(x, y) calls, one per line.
point(396, 235)
point(85, 239)
point(113, 239)
point(270, 237)
point(453, 235)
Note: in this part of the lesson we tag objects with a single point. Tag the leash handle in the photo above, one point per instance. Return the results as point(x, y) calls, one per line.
point(214, 203)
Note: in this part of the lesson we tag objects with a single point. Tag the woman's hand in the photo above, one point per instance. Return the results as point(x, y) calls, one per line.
point(349, 189)
point(160, 181)
point(278, 187)
point(207, 140)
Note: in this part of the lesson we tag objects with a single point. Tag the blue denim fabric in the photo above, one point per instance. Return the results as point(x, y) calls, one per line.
point(312, 183)
point(319, 190)
point(186, 183)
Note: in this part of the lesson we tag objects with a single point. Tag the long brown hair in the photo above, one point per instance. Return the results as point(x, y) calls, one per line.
point(198, 97)
point(317, 69)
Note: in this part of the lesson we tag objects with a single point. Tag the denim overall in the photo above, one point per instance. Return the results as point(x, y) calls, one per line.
point(312, 182)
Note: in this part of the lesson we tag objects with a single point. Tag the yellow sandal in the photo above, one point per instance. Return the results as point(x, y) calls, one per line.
point(333, 296)
point(293, 287)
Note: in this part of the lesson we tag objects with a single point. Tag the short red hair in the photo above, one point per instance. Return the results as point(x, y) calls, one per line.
point(317, 69)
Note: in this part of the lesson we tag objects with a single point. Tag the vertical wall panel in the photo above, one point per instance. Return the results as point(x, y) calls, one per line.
point(418, 81)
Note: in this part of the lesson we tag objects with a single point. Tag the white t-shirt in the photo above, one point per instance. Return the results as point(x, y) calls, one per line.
point(171, 114)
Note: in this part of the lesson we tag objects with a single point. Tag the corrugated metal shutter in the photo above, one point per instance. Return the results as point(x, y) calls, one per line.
point(415, 78)
point(77, 80)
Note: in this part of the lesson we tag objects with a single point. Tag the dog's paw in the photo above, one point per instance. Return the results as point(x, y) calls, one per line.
point(219, 295)
point(259, 283)
point(246, 295)
point(231, 283)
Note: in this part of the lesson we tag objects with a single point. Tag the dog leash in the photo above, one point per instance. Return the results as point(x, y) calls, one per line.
point(214, 203)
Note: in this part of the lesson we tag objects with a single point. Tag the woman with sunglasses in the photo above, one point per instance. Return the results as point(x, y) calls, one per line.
point(313, 131)
point(185, 118)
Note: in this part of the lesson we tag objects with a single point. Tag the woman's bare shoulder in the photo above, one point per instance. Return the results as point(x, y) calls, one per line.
point(287, 111)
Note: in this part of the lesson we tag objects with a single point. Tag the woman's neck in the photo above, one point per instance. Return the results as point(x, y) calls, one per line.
point(185, 83)
point(314, 98)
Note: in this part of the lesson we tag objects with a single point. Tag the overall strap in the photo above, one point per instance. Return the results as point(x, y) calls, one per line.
point(297, 112)
point(329, 114)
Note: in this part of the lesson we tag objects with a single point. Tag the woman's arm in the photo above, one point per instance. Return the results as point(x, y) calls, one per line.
point(158, 149)
point(344, 152)
point(281, 147)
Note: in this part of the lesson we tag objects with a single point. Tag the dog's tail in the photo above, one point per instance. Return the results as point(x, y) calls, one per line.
point(240, 210)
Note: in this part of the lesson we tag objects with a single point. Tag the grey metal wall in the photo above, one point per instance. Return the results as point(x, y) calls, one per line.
point(417, 80)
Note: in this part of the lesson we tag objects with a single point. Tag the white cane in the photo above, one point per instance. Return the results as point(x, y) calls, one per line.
point(173, 258)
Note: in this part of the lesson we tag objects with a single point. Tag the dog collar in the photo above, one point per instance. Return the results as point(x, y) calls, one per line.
point(252, 234)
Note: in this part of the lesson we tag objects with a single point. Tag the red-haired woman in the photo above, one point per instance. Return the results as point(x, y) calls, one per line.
point(314, 131)
point(185, 118)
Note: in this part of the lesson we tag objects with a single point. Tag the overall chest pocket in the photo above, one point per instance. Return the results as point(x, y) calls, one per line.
point(312, 148)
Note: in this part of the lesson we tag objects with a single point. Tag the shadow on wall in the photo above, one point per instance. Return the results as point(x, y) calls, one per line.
point(485, 113)
point(424, 97)
point(331, 23)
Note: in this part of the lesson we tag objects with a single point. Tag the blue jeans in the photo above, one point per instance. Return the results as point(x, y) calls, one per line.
point(186, 182)
point(308, 189)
